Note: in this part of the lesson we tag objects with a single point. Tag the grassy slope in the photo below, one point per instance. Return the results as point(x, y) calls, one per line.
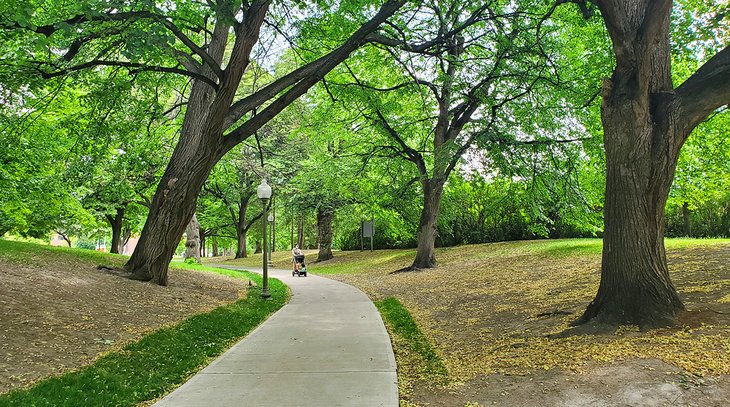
point(153, 366)
point(358, 262)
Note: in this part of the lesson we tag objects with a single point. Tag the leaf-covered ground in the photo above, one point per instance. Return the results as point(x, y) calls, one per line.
point(495, 313)
point(59, 312)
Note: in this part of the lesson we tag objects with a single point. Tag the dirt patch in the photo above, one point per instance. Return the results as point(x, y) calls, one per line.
point(499, 314)
point(61, 316)
point(646, 383)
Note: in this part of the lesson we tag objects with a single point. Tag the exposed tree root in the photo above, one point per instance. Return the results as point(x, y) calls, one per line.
point(117, 271)
point(405, 270)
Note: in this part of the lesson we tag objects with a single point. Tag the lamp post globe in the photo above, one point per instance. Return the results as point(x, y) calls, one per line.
point(263, 191)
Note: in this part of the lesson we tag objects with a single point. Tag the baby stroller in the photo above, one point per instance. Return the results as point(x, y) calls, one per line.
point(300, 269)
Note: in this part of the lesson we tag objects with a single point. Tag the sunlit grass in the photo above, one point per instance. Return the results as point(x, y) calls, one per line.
point(39, 255)
point(349, 262)
point(403, 329)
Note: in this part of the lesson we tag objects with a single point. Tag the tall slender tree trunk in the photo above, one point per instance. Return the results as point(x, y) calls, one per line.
point(291, 223)
point(241, 229)
point(203, 245)
point(126, 234)
point(215, 246)
point(116, 223)
point(300, 232)
point(687, 223)
point(426, 236)
point(324, 233)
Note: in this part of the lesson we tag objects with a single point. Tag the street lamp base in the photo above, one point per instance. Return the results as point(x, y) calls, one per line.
point(265, 293)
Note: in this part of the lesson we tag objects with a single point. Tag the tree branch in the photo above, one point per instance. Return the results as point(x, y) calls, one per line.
point(207, 59)
point(412, 155)
point(134, 65)
point(706, 90)
point(49, 29)
point(323, 66)
point(422, 48)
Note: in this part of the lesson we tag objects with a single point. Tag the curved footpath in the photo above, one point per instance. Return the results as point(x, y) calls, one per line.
point(326, 347)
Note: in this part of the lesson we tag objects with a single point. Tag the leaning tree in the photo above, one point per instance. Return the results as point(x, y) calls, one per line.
point(646, 121)
point(212, 43)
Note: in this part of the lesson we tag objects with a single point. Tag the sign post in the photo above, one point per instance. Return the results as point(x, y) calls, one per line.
point(368, 230)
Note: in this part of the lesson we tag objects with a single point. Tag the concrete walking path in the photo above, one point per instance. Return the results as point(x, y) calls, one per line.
point(326, 347)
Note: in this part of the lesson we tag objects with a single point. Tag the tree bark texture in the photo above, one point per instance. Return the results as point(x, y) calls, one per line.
point(192, 241)
point(209, 113)
point(646, 122)
point(426, 236)
point(325, 217)
point(214, 243)
point(241, 245)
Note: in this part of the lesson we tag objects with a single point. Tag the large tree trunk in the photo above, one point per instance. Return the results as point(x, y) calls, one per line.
point(172, 207)
point(426, 237)
point(193, 241)
point(642, 144)
point(215, 246)
point(324, 233)
point(116, 222)
point(646, 122)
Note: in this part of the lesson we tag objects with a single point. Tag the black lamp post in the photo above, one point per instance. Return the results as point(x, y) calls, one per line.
point(263, 191)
